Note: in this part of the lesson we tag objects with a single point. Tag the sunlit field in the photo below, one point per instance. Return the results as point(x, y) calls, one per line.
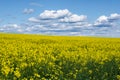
point(39, 57)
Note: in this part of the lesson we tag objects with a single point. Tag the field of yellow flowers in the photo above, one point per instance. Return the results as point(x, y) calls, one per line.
point(39, 57)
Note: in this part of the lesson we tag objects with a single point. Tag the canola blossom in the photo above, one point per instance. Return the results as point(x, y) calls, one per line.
point(40, 57)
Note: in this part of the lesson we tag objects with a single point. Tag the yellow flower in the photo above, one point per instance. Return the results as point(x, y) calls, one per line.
point(118, 77)
point(17, 73)
point(90, 71)
point(5, 70)
point(37, 75)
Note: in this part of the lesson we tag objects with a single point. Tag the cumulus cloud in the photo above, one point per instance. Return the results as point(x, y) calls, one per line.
point(33, 19)
point(114, 17)
point(11, 28)
point(64, 22)
point(102, 19)
point(54, 14)
point(28, 11)
point(61, 15)
point(107, 21)
point(59, 19)
point(118, 31)
point(74, 18)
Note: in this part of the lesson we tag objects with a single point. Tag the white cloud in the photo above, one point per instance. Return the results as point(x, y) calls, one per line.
point(11, 28)
point(28, 11)
point(64, 22)
point(20, 30)
point(104, 21)
point(53, 14)
point(62, 16)
point(74, 18)
point(114, 16)
point(33, 19)
point(15, 26)
point(60, 19)
point(118, 31)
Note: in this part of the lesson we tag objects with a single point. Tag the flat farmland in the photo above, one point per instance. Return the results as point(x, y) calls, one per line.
point(41, 57)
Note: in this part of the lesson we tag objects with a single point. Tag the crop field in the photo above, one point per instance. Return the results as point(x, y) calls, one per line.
point(39, 57)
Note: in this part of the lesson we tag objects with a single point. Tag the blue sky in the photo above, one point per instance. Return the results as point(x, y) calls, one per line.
point(61, 17)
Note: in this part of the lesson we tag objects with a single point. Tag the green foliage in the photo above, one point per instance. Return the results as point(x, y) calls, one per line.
point(34, 57)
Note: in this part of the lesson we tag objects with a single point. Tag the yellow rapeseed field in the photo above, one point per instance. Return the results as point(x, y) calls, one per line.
point(39, 57)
